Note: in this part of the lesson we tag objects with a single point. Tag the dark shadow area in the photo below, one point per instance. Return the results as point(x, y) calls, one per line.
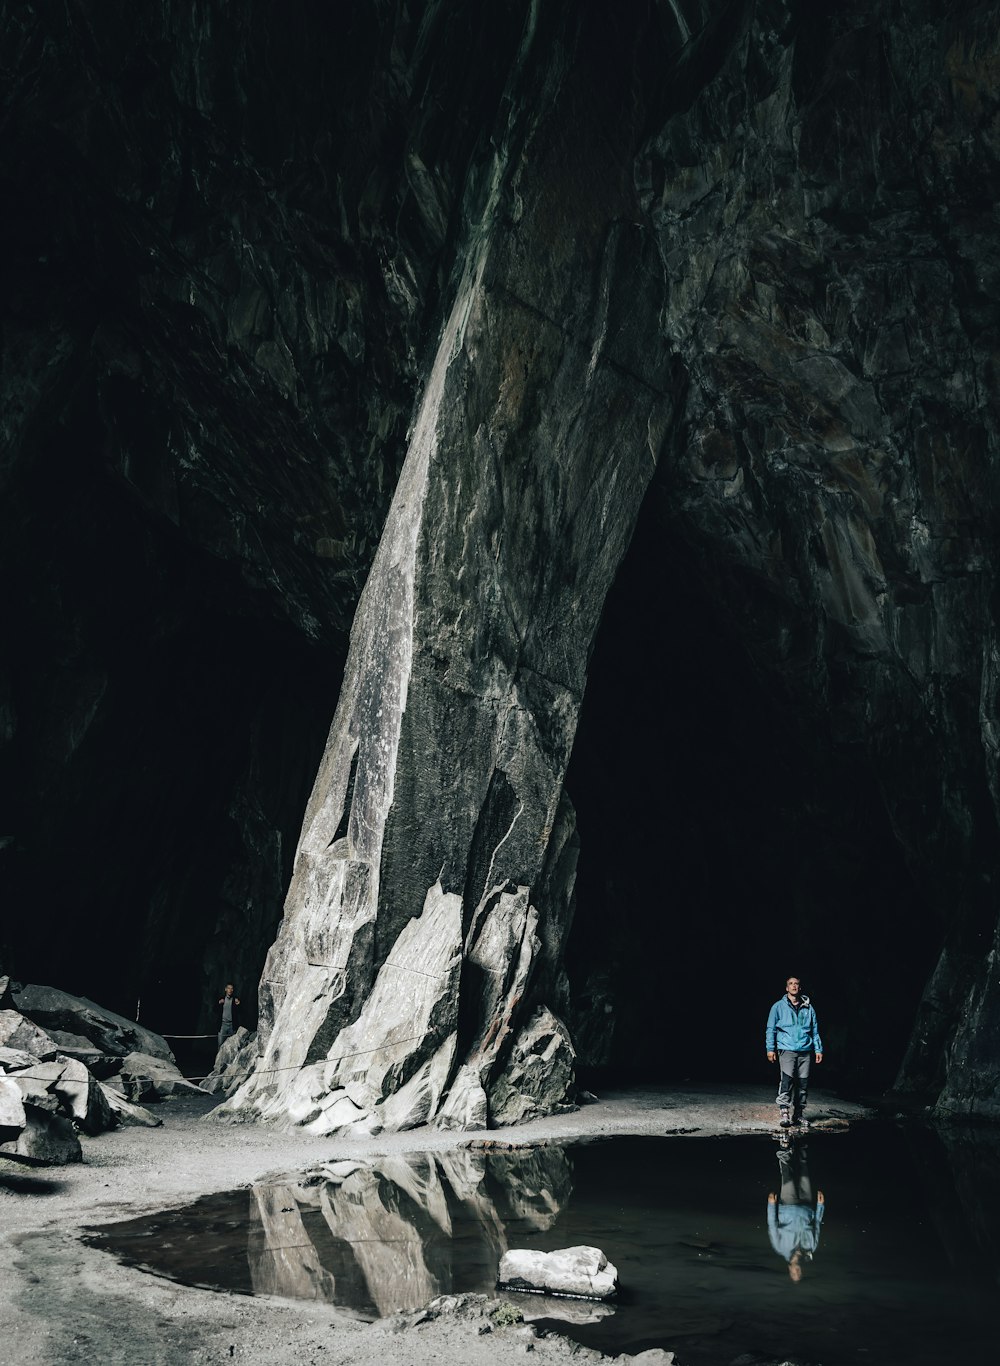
point(725, 844)
point(28, 1185)
point(167, 725)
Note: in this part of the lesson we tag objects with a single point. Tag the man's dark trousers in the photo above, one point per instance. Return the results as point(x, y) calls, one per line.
point(794, 1085)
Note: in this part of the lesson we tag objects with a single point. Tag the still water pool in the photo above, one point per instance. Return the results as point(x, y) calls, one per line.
point(879, 1245)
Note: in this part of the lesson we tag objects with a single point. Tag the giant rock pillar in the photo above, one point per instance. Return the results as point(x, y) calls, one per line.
point(417, 971)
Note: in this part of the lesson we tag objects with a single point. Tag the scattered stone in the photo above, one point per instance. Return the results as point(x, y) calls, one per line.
point(82, 1097)
point(11, 1108)
point(73, 1043)
point(62, 1086)
point(45, 1137)
point(581, 1271)
point(37, 1085)
point(103, 1065)
point(18, 1032)
point(150, 1078)
point(15, 1059)
point(124, 1112)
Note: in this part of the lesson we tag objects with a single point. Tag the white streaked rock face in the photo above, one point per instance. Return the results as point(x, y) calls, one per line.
point(417, 974)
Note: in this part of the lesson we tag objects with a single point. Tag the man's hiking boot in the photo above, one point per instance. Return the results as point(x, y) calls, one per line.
point(785, 1122)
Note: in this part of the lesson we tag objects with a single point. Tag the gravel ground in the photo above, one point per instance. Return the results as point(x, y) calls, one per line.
point(61, 1301)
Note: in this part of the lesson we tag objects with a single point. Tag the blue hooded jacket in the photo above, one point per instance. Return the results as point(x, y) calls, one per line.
point(792, 1228)
point(793, 1029)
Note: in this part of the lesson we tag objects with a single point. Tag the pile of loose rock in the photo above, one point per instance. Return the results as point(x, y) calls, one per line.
point(68, 1066)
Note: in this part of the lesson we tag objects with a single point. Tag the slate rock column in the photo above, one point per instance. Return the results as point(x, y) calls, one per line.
point(417, 971)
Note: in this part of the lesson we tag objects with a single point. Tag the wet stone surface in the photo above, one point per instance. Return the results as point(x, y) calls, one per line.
point(877, 1245)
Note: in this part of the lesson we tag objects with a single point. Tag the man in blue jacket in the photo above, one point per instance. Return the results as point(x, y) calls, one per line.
point(792, 1040)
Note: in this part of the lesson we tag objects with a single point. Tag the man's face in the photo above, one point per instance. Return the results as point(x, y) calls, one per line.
point(229, 989)
point(792, 987)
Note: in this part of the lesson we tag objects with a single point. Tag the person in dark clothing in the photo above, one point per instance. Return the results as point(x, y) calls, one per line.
point(792, 1040)
point(229, 1021)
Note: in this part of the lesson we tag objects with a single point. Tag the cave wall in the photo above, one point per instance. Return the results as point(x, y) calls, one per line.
point(814, 180)
point(519, 270)
point(736, 845)
point(224, 236)
point(831, 264)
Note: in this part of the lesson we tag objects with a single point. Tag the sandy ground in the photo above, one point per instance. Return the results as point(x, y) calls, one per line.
point(61, 1301)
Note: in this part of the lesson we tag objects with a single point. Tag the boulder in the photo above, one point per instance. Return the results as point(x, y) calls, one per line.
point(11, 1108)
point(103, 1065)
point(62, 1086)
point(74, 1043)
point(6, 999)
point(583, 1272)
point(109, 1032)
point(36, 1084)
point(124, 1112)
point(20, 1033)
point(82, 1097)
point(151, 1078)
point(15, 1059)
point(45, 1138)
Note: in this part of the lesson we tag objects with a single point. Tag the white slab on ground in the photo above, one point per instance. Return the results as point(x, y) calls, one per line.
point(581, 1271)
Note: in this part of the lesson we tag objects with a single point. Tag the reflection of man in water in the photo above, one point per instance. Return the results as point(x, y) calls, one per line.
point(792, 1219)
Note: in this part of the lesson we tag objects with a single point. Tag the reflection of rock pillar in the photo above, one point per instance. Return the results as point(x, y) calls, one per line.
point(386, 1222)
point(442, 783)
point(282, 1258)
point(387, 1247)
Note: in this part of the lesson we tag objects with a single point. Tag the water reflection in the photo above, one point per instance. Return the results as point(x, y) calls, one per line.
point(911, 1278)
point(794, 1218)
point(958, 1169)
point(386, 1236)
